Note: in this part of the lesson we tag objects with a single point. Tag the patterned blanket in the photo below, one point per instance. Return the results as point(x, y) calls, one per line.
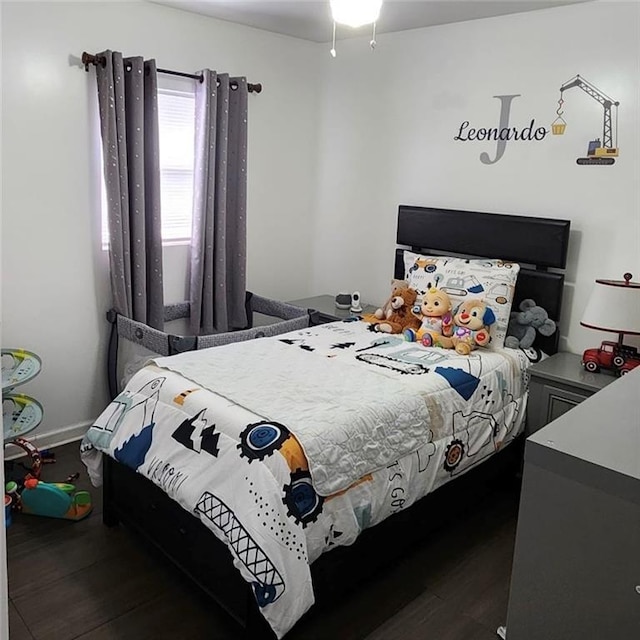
point(235, 449)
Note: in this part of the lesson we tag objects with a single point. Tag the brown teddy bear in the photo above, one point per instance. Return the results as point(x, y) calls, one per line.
point(385, 311)
point(396, 314)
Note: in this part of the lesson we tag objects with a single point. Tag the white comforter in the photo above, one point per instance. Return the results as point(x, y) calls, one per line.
point(350, 405)
point(381, 422)
point(348, 422)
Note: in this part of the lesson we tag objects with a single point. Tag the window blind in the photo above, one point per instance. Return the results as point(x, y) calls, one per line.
point(176, 122)
point(176, 115)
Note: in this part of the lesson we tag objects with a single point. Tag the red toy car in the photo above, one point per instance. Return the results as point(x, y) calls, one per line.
point(611, 355)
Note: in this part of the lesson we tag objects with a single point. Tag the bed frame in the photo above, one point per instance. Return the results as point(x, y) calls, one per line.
point(540, 244)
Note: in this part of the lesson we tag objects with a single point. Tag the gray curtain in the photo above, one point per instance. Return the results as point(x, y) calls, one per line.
point(128, 103)
point(218, 240)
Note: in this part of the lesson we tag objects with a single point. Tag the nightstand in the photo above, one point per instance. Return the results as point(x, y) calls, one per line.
point(326, 311)
point(558, 384)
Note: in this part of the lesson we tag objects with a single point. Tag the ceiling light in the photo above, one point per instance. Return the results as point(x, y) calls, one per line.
point(355, 13)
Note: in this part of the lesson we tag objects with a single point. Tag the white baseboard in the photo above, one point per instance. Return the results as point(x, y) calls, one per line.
point(55, 438)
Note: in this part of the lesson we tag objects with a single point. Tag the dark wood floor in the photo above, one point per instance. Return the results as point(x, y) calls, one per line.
point(81, 580)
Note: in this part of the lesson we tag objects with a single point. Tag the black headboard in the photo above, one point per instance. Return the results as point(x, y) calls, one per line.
point(535, 243)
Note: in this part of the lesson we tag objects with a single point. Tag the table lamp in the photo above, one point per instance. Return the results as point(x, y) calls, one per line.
point(614, 305)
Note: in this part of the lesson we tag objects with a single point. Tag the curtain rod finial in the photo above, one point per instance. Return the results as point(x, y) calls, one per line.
point(87, 59)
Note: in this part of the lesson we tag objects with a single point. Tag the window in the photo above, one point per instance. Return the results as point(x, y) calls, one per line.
point(176, 116)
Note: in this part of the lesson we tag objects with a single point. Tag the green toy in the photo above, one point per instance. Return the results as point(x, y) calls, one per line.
point(55, 500)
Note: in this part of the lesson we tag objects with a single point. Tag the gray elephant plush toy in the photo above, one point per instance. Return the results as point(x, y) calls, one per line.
point(523, 324)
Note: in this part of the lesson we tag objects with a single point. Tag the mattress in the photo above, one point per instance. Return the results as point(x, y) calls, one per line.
point(289, 446)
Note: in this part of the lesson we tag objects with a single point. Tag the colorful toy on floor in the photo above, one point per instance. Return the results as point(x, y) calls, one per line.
point(34, 456)
point(55, 500)
point(12, 501)
point(21, 413)
point(7, 510)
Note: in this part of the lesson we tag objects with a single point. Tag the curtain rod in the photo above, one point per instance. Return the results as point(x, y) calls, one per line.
point(88, 58)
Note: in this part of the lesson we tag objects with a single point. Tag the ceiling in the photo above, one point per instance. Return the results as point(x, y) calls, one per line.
point(310, 19)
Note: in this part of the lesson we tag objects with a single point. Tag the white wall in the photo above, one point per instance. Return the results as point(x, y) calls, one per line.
point(389, 119)
point(54, 274)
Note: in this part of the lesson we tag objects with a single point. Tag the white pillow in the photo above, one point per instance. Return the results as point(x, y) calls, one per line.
point(493, 281)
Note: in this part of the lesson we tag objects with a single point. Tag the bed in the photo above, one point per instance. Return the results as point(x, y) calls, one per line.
point(305, 498)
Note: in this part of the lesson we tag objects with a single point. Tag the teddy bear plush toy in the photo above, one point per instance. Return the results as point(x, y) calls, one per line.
point(385, 311)
point(436, 323)
point(472, 319)
point(523, 325)
point(396, 315)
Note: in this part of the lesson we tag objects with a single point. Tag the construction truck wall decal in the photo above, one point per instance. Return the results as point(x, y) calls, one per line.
point(602, 150)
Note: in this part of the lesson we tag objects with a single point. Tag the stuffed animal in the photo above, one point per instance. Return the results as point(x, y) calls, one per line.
point(385, 311)
point(434, 314)
point(523, 324)
point(398, 316)
point(472, 319)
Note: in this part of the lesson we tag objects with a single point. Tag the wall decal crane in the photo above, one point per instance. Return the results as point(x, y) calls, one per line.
point(600, 151)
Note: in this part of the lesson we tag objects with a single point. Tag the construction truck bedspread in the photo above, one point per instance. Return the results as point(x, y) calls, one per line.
point(287, 446)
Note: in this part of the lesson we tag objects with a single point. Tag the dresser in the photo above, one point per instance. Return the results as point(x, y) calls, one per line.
point(576, 566)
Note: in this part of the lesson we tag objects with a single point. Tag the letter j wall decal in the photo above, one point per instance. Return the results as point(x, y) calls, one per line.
point(505, 110)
